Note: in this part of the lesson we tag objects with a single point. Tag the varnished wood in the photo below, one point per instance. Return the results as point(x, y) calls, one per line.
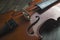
point(20, 32)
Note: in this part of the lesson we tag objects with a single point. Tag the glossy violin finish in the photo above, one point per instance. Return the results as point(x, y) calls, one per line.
point(20, 33)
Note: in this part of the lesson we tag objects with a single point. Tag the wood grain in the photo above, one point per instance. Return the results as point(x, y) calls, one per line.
point(20, 32)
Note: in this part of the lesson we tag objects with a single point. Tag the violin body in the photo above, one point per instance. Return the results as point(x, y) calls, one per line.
point(52, 13)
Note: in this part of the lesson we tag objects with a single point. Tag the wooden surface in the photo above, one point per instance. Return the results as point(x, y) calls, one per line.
point(20, 32)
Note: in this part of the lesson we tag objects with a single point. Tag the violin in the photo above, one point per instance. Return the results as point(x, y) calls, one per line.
point(19, 22)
